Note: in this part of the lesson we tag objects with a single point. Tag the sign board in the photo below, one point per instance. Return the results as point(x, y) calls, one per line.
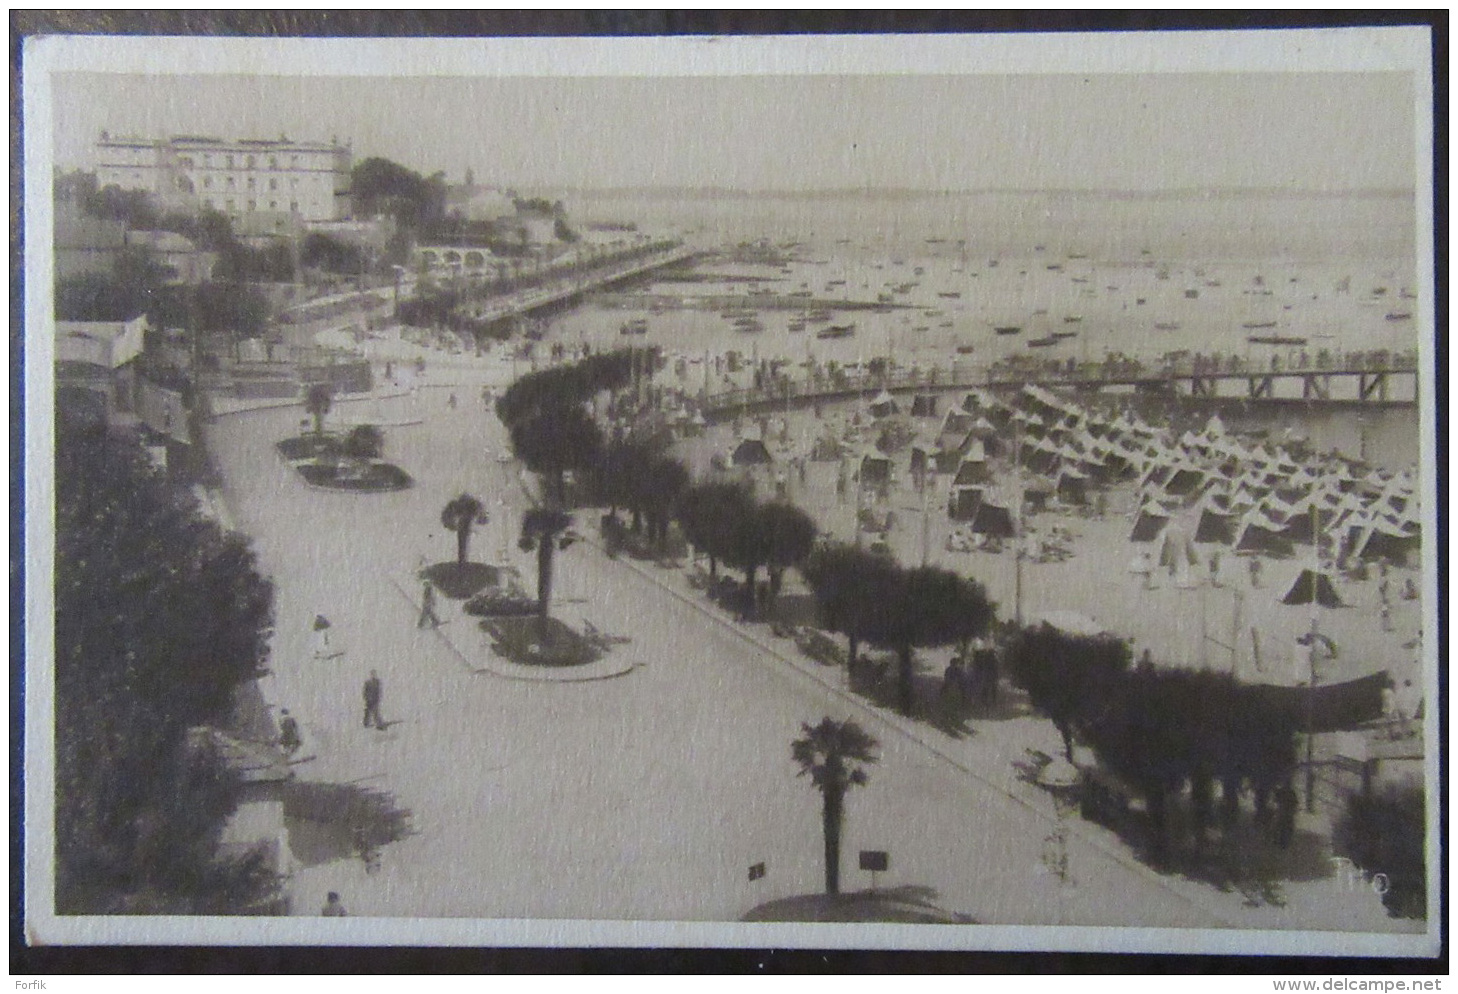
point(875, 860)
point(756, 872)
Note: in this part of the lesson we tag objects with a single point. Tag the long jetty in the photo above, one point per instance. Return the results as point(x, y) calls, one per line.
point(724, 302)
point(1379, 380)
point(574, 284)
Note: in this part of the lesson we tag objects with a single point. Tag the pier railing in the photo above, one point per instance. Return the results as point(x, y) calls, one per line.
point(1193, 376)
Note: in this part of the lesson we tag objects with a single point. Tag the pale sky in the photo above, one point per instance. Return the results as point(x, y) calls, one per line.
point(1307, 131)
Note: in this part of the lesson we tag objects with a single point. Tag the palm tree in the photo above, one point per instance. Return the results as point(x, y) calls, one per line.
point(540, 528)
point(317, 401)
point(834, 753)
point(459, 516)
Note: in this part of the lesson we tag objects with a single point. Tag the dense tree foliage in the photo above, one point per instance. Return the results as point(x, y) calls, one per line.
point(553, 443)
point(333, 255)
point(416, 202)
point(835, 755)
point(852, 586)
point(1066, 676)
point(1385, 833)
point(708, 514)
point(927, 606)
point(159, 617)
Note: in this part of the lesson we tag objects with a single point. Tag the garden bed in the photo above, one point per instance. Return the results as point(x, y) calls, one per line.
point(310, 447)
point(459, 581)
point(356, 477)
point(528, 641)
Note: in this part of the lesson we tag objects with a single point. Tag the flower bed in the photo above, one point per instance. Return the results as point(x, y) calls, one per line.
point(501, 604)
point(356, 477)
point(310, 447)
point(458, 581)
point(531, 642)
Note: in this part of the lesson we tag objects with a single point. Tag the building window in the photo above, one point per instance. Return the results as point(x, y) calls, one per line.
point(187, 162)
point(251, 182)
point(207, 182)
point(273, 184)
point(230, 162)
point(273, 205)
point(253, 205)
point(250, 162)
point(294, 161)
point(273, 162)
point(232, 205)
point(294, 206)
point(232, 182)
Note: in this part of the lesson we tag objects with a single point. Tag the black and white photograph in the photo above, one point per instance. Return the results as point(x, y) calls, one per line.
point(898, 492)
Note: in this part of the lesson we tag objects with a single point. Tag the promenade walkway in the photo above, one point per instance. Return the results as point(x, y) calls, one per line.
point(645, 796)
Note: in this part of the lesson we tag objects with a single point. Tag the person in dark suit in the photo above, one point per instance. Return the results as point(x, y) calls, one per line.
point(373, 692)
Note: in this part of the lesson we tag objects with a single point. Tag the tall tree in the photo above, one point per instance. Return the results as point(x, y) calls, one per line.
point(554, 442)
point(460, 515)
point(835, 755)
point(928, 606)
point(708, 513)
point(789, 535)
point(160, 616)
point(665, 480)
point(542, 529)
point(1067, 677)
point(852, 587)
point(318, 399)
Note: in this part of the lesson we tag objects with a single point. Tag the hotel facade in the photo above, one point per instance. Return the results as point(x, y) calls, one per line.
point(238, 177)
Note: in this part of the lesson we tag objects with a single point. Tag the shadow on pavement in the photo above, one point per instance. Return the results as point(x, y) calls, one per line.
point(907, 903)
point(330, 821)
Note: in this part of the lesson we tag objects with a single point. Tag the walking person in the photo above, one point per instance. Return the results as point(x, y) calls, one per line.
point(333, 907)
point(427, 607)
point(373, 691)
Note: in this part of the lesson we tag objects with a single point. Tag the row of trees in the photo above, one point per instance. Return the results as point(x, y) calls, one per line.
point(1160, 730)
point(872, 599)
point(159, 617)
point(725, 522)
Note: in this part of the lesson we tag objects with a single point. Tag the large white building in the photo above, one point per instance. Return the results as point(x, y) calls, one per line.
point(237, 177)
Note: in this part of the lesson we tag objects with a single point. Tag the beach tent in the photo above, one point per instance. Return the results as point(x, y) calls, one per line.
point(1383, 539)
point(964, 503)
point(972, 470)
point(751, 452)
point(1149, 523)
point(924, 405)
point(1214, 525)
point(1183, 481)
point(957, 424)
point(875, 470)
point(1072, 486)
point(884, 405)
point(827, 449)
point(1312, 586)
point(1258, 533)
point(1037, 493)
point(1040, 456)
point(993, 519)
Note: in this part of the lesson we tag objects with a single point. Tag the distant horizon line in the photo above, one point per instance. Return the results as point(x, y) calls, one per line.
point(868, 191)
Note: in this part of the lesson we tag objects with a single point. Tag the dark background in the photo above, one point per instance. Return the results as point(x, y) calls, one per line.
point(462, 23)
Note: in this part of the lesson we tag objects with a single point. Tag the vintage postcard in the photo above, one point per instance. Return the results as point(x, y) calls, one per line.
point(943, 491)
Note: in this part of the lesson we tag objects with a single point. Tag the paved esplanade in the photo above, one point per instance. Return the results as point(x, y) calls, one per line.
point(643, 796)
